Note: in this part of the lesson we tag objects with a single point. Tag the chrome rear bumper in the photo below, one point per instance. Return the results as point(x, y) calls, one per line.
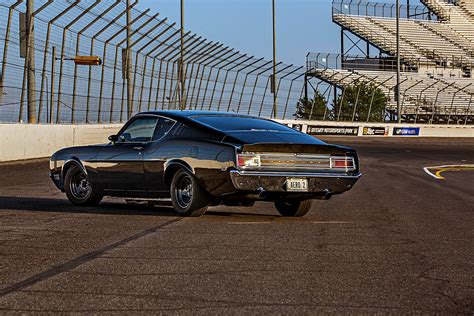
point(276, 181)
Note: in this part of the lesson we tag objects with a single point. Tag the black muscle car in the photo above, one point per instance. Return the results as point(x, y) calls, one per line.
point(195, 159)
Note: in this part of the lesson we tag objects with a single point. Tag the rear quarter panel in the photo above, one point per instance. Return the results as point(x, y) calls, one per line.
point(210, 162)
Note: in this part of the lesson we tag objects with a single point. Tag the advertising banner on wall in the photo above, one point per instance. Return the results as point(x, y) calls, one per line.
point(375, 131)
point(333, 130)
point(406, 131)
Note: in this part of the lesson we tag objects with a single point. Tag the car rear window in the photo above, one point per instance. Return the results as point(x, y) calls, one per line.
point(227, 123)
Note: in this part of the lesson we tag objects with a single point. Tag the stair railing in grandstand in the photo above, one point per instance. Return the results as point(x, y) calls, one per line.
point(357, 62)
point(437, 8)
point(381, 9)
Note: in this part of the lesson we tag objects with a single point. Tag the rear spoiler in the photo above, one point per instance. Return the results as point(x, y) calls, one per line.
point(297, 148)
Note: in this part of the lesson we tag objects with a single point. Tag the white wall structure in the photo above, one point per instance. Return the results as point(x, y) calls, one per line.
point(23, 141)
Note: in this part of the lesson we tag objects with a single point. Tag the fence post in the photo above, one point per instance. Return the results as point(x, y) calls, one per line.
point(61, 64)
point(112, 22)
point(5, 44)
point(78, 41)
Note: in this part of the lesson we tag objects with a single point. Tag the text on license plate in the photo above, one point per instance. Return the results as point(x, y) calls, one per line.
point(297, 184)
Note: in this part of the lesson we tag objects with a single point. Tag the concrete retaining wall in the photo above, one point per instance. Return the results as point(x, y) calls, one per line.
point(23, 141)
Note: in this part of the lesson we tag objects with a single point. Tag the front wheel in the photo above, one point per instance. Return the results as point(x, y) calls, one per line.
point(187, 196)
point(78, 189)
point(293, 208)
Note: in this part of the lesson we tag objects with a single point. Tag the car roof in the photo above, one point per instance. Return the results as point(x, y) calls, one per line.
point(190, 114)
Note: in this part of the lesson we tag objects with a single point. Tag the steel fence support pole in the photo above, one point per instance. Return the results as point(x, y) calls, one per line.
point(212, 70)
point(142, 84)
point(373, 96)
point(289, 93)
point(61, 64)
point(171, 85)
point(246, 77)
point(101, 89)
point(197, 73)
point(30, 61)
point(128, 77)
point(256, 81)
point(151, 84)
point(217, 76)
point(356, 103)
point(137, 54)
point(232, 68)
point(164, 87)
point(158, 85)
point(468, 109)
point(51, 99)
point(5, 44)
point(89, 81)
point(207, 62)
point(419, 99)
point(266, 87)
point(191, 62)
point(78, 41)
point(452, 101)
point(264, 95)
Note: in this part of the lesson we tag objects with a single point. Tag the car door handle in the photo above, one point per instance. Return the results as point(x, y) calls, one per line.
point(138, 148)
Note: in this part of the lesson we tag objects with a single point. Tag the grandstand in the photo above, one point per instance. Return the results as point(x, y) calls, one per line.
point(437, 52)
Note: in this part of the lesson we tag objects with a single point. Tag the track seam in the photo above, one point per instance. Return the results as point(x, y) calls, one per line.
point(78, 261)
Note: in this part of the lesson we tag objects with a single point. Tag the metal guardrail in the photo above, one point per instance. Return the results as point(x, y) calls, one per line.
point(381, 9)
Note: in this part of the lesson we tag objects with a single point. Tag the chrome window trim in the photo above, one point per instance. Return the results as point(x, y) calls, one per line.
point(137, 116)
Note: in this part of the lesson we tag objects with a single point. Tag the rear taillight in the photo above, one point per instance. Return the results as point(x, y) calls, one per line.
point(342, 163)
point(248, 161)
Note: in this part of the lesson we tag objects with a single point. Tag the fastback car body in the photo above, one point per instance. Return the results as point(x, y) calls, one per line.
point(198, 158)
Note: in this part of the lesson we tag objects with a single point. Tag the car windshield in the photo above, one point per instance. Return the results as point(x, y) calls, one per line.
point(227, 123)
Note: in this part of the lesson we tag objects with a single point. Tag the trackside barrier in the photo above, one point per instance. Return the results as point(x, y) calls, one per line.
point(28, 141)
point(319, 128)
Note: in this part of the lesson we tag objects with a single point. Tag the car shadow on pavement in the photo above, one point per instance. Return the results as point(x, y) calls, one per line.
point(38, 204)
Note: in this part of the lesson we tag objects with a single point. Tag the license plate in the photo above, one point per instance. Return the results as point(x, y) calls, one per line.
point(297, 184)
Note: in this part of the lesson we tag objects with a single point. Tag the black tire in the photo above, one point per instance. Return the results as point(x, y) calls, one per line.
point(78, 189)
point(187, 196)
point(293, 208)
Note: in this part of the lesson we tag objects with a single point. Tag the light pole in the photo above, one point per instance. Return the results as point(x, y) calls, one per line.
point(274, 87)
point(128, 64)
point(181, 60)
point(399, 114)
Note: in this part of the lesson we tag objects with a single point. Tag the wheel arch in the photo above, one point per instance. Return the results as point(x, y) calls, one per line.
point(74, 161)
point(172, 166)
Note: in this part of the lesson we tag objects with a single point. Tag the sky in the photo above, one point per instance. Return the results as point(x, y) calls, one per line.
point(302, 25)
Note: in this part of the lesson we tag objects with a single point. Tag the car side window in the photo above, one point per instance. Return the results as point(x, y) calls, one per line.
point(162, 128)
point(139, 131)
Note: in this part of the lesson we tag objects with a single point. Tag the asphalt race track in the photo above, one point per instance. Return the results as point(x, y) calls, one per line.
point(400, 242)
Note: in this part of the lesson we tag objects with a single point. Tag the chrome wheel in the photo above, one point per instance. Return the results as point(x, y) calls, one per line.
point(79, 186)
point(184, 191)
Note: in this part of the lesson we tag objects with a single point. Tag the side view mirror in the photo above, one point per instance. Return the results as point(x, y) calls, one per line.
point(113, 138)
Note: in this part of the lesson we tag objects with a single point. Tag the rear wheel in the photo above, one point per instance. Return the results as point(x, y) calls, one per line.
point(293, 208)
point(187, 196)
point(78, 189)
